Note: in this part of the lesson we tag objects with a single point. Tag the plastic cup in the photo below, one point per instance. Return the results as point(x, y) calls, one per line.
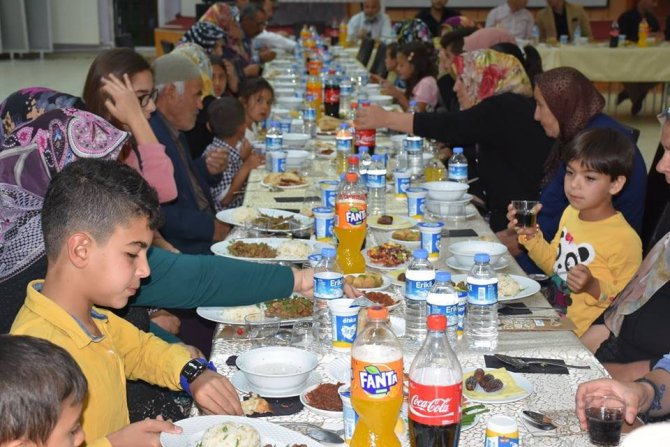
point(277, 161)
point(604, 417)
point(323, 223)
point(401, 182)
point(622, 39)
point(563, 39)
point(260, 326)
point(348, 413)
point(344, 322)
point(526, 217)
point(499, 428)
point(416, 202)
point(328, 192)
point(431, 236)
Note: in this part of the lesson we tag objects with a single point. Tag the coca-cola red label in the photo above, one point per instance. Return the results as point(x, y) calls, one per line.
point(365, 137)
point(435, 405)
point(332, 95)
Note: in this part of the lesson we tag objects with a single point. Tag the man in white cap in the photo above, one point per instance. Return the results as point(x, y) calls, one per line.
point(190, 224)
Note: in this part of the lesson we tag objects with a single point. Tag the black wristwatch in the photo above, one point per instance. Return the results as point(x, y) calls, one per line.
point(655, 403)
point(192, 371)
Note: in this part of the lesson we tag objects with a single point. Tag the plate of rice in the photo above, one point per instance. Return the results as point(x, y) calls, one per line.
point(232, 431)
point(290, 310)
point(268, 249)
point(265, 219)
point(510, 287)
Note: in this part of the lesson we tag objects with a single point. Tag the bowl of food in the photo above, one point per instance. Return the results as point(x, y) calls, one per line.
point(289, 102)
point(284, 92)
point(446, 190)
point(295, 140)
point(275, 369)
point(382, 100)
point(372, 89)
point(465, 251)
point(295, 158)
point(408, 237)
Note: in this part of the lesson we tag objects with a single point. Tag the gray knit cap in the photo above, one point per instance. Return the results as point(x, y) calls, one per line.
point(171, 68)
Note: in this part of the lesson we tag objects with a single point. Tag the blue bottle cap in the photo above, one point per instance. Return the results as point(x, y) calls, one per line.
point(328, 252)
point(363, 149)
point(377, 157)
point(442, 276)
point(458, 150)
point(482, 257)
point(420, 254)
point(343, 126)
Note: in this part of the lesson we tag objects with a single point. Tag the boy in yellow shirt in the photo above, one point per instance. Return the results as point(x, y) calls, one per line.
point(98, 220)
point(595, 252)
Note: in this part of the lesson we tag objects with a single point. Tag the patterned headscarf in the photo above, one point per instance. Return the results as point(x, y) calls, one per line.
point(205, 34)
point(199, 57)
point(411, 30)
point(226, 17)
point(572, 99)
point(455, 22)
point(486, 38)
point(29, 158)
point(485, 73)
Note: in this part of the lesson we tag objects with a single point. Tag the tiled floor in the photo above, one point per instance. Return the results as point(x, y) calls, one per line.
point(66, 72)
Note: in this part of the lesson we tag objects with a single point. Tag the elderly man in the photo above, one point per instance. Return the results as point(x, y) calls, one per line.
point(435, 16)
point(189, 224)
point(560, 18)
point(513, 17)
point(252, 21)
point(371, 22)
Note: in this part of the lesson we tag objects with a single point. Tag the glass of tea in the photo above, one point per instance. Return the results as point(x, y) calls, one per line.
point(526, 216)
point(604, 417)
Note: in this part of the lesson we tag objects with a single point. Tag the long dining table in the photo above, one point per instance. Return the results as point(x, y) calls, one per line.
point(553, 394)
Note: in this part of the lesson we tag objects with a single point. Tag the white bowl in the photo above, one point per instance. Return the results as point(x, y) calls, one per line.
point(284, 84)
point(446, 190)
point(286, 78)
point(283, 92)
point(382, 100)
point(465, 251)
point(448, 208)
point(279, 111)
point(295, 140)
point(289, 102)
point(277, 368)
point(412, 245)
point(372, 89)
point(295, 158)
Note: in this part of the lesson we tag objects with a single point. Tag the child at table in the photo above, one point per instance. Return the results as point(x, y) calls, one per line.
point(97, 220)
point(391, 64)
point(227, 121)
point(417, 69)
point(257, 96)
point(595, 251)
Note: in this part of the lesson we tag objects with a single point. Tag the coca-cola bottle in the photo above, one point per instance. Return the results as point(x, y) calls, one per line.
point(435, 386)
point(331, 100)
point(365, 137)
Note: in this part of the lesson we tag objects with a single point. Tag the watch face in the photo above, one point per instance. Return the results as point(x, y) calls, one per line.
point(192, 370)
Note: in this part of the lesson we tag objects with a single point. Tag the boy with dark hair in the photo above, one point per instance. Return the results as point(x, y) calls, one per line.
point(227, 122)
point(98, 220)
point(42, 393)
point(595, 252)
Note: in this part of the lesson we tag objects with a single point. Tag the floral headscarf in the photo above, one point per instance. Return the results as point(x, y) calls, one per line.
point(205, 34)
point(29, 158)
point(226, 17)
point(411, 30)
point(455, 22)
point(485, 73)
point(199, 57)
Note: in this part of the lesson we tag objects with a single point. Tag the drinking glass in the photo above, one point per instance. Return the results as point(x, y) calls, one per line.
point(526, 214)
point(604, 417)
point(301, 334)
point(261, 327)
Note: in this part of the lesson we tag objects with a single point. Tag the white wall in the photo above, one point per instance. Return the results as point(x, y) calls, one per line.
point(188, 7)
point(75, 22)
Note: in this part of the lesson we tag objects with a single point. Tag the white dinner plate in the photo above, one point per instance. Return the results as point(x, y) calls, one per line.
point(239, 381)
point(216, 314)
point(194, 428)
point(228, 216)
point(470, 211)
point(221, 248)
point(400, 222)
point(369, 262)
point(492, 398)
point(453, 264)
point(319, 411)
point(528, 286)
point(393, 277)
point(286, 187)
point(385, 284)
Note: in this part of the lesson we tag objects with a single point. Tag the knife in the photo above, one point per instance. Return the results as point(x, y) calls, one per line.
point(538, 420)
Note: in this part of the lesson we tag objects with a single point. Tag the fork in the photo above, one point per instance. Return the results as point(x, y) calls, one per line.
point(522, 364)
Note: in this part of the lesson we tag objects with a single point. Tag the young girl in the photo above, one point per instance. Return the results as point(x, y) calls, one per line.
point(416, 67)
point(257, 96)
point(391, 64)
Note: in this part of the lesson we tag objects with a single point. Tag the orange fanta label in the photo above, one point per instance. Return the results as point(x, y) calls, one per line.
point(351, 215)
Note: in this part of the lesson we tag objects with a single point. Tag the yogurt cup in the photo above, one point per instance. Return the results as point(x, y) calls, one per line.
point(328, 192)
point(323, 223)
point(431, 235)
point(502, 431)
point(277, 160)
point(401, 183)
point(344, 322)
point(416, 202)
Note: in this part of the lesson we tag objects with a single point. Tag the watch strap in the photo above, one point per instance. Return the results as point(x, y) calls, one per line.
point(655, 403)
point(184, 382)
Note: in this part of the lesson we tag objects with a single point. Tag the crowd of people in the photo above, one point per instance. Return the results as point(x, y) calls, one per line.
point(109, 201)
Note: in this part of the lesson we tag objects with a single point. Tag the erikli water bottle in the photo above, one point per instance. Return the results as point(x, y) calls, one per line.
point(443, 300)
point(419, 279)
point(458, 166)
point(481, 325)
point(328, 285)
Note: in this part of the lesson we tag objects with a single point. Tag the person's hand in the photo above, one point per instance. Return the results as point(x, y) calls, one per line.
point(254, 161)
point(145, 433)
point(266, 55)
point(392, 91)
point(221, 230)
point(529, 232)
point(122, 102)
point(372, 117)
point(376, 79)
point(633, 394)
point(216, 161)
point(304, 284)
point(510, 239)
point(233, 78)
point(194, 352)
point(580, 279)
point(252, 70)
point(166, 320)
point(215, 395)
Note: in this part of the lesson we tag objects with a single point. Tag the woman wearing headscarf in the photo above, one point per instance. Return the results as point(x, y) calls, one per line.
point(457, 22)
point(411, 30)
point(497, 115)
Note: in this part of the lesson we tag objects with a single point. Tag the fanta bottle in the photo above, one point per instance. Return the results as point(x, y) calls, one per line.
point(376, 382)
point(304, 33)
point(351, 224)
point(314, 89)
point(344, 30)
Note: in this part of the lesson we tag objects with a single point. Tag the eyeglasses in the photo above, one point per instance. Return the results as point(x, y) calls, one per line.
point(151, 96)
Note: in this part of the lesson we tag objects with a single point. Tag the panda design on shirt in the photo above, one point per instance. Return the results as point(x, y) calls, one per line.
point(570, 254)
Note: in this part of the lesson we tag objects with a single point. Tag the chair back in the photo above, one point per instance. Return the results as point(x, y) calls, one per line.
point(167, 46)
point(365, 51)
point(378, 65)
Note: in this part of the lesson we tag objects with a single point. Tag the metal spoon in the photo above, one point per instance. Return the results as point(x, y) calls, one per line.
point(522, 364)
point(314, 431)
point(538, 420)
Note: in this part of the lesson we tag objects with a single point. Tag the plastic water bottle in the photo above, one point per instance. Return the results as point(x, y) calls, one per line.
point(577, 34)
point(412, 107)
point(344, 143)
point(328, 285)
point(274, 140)
point(413, 147)
point(346, 90)
point(366, 162)
point(309, 117)
point(376, 181)
point(419, 279)
point(535, 35)
point(458, 166)
point(443, 300)
point(481, 326)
